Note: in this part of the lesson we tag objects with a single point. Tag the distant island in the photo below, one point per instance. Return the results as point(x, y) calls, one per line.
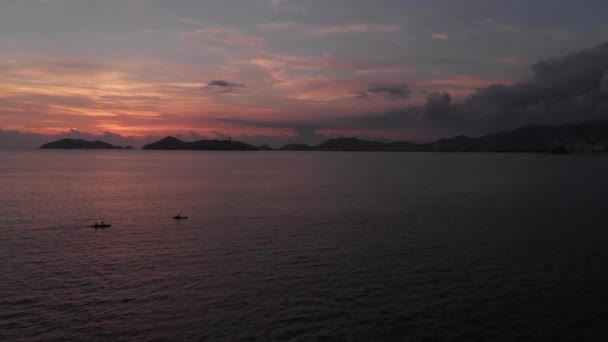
point(172, 143)
point(584, 137)
point(589, 136)
point(79, 144)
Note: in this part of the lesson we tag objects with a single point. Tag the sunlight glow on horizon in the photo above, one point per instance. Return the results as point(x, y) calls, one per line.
point(284, 69)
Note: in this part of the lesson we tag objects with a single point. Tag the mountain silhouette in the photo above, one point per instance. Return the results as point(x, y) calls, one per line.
point(532, 138)
point(80, 144)
point(590, 136)
point(172, 143)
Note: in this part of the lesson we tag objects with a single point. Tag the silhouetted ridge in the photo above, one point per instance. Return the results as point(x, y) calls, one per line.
point(80, 144)
point(590, 136)
point(172, 143)
point(168, 143)
point(265, 147)
point(356, 144)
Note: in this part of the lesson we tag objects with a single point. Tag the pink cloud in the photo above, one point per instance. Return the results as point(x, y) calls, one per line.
point(326, 30)
point(440, 36)
point(459, 86)
point(318, 88)
point(368, 71)
point(343, 92)
point(463, 81)
point(353, 28)
point(303, 62)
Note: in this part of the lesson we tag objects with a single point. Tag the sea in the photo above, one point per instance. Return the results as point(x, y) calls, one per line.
point(303, 246)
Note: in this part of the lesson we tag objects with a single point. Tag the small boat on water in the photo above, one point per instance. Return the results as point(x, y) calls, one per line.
point(101, 225)
point(180, 217)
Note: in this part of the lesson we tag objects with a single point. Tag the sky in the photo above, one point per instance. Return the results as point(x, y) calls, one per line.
point(279, 71)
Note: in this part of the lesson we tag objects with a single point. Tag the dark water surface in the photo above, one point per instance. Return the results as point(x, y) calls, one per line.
point(303, 246)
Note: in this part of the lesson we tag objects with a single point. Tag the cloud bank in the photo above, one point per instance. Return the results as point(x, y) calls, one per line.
point(571, 88)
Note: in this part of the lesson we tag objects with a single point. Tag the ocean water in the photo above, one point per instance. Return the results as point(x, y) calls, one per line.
point(303, 246)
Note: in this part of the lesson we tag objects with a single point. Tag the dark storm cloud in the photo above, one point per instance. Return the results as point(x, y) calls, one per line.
point(383, 120)
point(576, 72)
point(224, 84)
point(556, 83)
point(437, 105)
point(438, 111)
point(604, 85)
point(304, 128)
point(564, 89)
point(391, 92)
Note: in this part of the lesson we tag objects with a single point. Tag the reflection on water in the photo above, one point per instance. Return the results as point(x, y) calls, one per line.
point(277, 246)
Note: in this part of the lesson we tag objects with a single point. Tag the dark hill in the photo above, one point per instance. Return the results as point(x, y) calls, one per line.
point(533, 138)
point(355, 144)
point(79, 144)
point(581, 137)
point(168, 143)
point(591, 136)
point(172, 143)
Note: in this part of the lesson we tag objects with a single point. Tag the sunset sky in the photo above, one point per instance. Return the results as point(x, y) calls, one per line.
point(297, 70)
